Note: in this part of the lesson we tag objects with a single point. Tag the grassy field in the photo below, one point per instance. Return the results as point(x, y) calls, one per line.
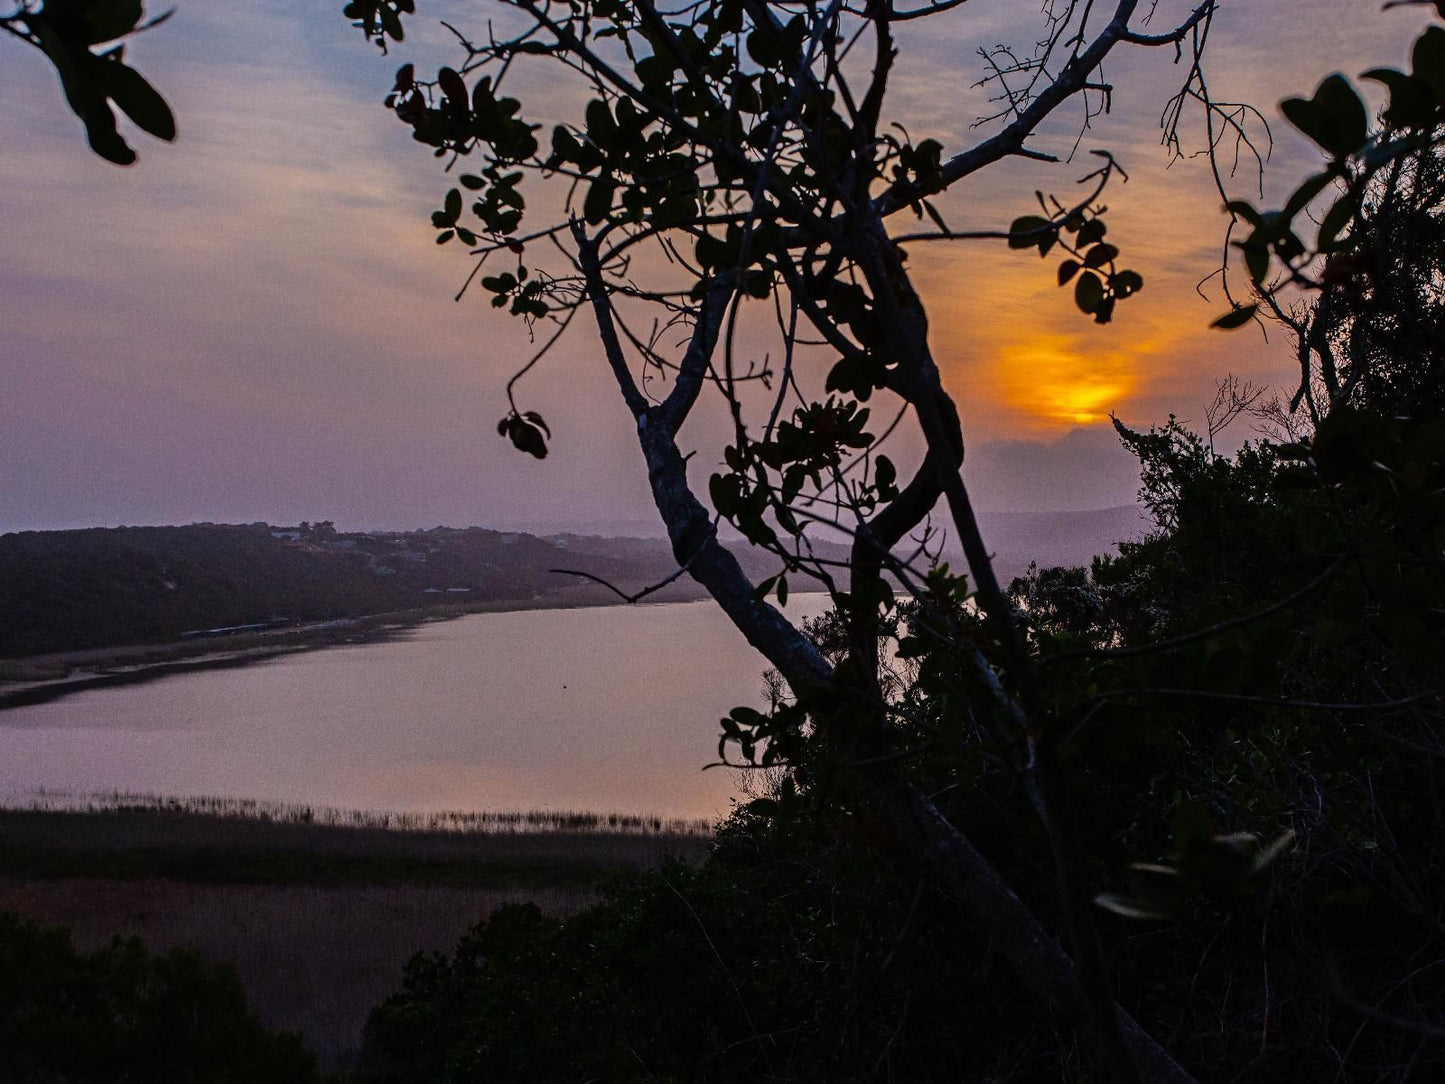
point(319, 918)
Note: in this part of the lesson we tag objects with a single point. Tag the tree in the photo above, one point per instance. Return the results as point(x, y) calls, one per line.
point(735, 175)
point(68, 32)
point(1368, 329)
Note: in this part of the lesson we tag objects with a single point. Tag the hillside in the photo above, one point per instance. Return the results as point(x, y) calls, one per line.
point(107, 587)
point(101, 587)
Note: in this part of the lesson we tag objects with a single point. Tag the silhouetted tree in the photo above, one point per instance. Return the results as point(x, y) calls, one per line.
point(736, 178)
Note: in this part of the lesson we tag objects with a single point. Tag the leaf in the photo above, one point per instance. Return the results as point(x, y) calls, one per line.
point(1067, 270)
point(654, 72)
point(405, 78)
point(527, 437)
point(137, 99)
point(453, 86)
point(937, 218)
point(83, 94)
point(445, 236)
point(453, 204)
point(601, 128)
point(1236, 317)
point(1088, 292)
point(1128, 908)
point(1091, 232)
point(885, 474)
point(107, 20)
point(763, 47)
point(1099, 255)
point(723, 489)
point(1335, 222)
point(1427, 60)
point(1245, 211)
point(598, 203)
point(390, 22)
point(1127, 283)
point(1027, 231)
point(1305, 194)
point(1334, 118)
point(1412, 100)
point(1256, 258)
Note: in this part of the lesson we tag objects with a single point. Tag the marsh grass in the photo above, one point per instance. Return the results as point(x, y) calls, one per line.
point(180, 842)
point(466, 821)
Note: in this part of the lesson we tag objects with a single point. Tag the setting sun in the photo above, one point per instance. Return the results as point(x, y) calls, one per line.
point(1054, 382)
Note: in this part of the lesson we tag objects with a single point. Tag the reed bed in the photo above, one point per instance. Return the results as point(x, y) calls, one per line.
point(460, 821)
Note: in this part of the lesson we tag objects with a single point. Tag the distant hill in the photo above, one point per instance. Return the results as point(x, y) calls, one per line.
point(1057, 538)
point(102, 587)
point(106, 587)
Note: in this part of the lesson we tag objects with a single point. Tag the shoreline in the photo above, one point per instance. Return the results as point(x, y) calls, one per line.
point(39, 679)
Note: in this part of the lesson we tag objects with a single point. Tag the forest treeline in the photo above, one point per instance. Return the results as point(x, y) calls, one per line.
point(102, 587)
point(109, 586)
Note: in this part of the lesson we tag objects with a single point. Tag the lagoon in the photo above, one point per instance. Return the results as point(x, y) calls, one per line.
point(608, 709)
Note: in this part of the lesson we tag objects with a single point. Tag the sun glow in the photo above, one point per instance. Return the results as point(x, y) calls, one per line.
point(1050, 379)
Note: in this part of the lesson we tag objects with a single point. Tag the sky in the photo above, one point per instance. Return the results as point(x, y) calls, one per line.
point(255, 323)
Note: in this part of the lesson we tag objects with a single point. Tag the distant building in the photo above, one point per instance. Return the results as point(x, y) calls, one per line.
point(287, 536)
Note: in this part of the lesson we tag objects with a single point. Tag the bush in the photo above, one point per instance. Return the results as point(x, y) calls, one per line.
point(121, 1014)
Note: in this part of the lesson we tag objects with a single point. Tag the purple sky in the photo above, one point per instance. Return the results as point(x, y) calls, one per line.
point(255, 323)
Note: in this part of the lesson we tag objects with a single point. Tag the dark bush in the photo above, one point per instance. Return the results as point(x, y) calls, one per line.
point(122, 1014)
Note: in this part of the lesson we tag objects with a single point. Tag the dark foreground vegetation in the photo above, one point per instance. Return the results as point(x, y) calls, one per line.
point(1260, 808)
point(315, 920)
point(121, 1013)
point(1258, 800)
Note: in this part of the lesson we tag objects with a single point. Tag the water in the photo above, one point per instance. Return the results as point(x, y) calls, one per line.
point(605, 709)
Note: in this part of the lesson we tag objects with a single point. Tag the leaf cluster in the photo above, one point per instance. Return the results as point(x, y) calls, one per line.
point(96, 84)
point(1335, 118)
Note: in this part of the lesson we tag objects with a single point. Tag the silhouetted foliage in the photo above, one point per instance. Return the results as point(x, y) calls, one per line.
point(1261, 795)
point(68, 32)
point(1174, 713)
point(120, 1014)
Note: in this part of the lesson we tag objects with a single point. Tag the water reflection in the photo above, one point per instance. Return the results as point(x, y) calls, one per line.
point(609, 709)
